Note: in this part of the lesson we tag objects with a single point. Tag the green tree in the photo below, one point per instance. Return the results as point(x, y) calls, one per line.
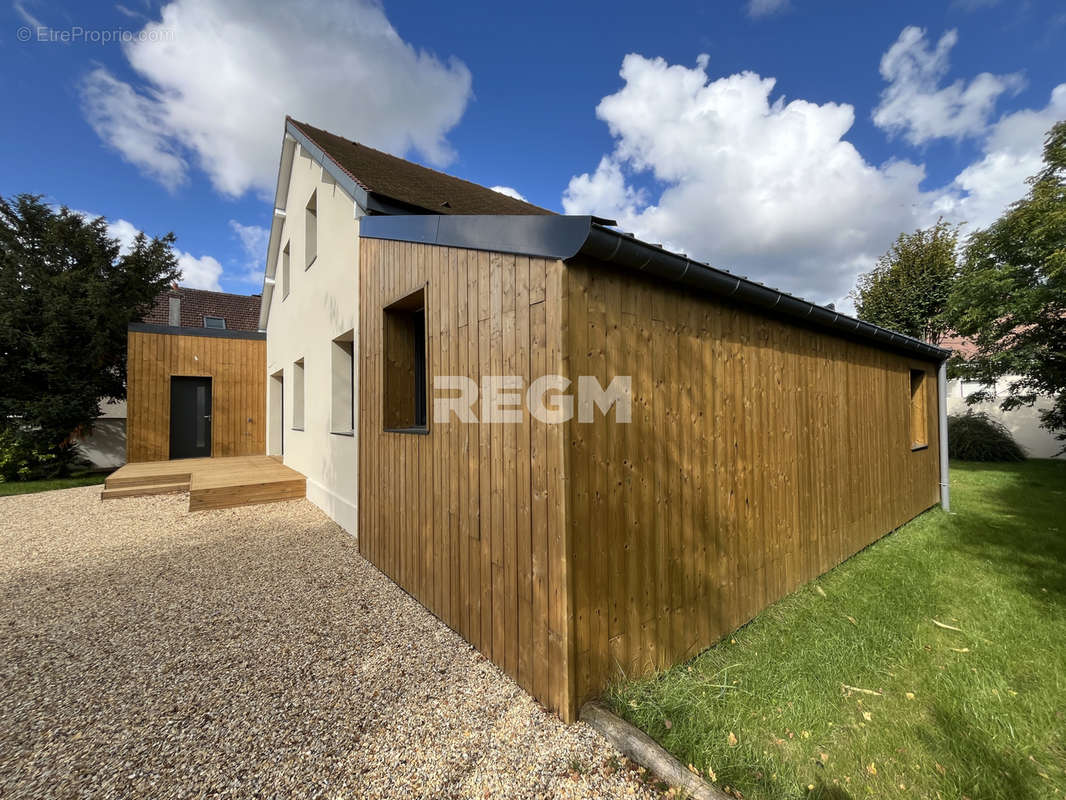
point(67, 294)
point(1010, 299)
point(909, 288)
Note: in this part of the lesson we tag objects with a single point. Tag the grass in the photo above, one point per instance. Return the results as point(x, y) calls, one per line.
point(29, 487)
point(978, 712)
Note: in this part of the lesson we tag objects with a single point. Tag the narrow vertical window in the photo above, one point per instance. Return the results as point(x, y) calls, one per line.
point(311, 230)
point(919, 425)
point(298, 395)
point(342, 417)
point(285, 277)
point(405, 364)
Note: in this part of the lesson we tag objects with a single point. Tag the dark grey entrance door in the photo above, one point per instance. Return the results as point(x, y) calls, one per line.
point(190, 417)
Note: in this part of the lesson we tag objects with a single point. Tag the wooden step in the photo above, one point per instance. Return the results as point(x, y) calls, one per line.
point(144, 490)
point(125, 481)
point(203, 499)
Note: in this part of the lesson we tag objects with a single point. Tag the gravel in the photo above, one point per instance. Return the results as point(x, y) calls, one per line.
point(145, 651)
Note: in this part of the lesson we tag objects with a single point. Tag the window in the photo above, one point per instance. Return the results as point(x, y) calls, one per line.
point(215, 322)
point(298, 395)
point(311, 230)
point(174, 312)
point(919, 426)
point(342, 416)
point(285, 272)
point(405, 364)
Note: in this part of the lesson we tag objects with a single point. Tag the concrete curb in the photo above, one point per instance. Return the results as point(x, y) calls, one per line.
point(641, 748)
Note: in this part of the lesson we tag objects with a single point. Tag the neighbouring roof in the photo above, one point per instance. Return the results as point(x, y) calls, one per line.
point(959, 345)
point(411, 184)
point(240, 311)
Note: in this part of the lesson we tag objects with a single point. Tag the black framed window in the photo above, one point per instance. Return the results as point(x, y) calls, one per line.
point(405, 366)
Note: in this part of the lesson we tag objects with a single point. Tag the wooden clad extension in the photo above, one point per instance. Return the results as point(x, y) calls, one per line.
point(238, 396)
point(760, 454)
point(470, 518)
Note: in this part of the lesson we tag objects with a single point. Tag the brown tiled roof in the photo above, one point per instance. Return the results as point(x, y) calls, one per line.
point(961, 346)
point(240, 311)
point(413, 184)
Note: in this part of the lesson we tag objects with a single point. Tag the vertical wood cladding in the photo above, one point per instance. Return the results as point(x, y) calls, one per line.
point(238, 392)
point(760, 454)
point(469, 518)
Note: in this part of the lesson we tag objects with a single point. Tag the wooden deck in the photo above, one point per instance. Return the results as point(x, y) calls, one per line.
point(210, 482)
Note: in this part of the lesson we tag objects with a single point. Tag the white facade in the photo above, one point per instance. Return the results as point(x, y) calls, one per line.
point(309, 310)
point(1023, 423)
point(105, 447)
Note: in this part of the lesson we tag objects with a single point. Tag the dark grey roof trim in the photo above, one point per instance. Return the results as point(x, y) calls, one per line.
point(544, 235)
point(354, 190)
point(565, 237)
point(370, 202)
point(213, 333)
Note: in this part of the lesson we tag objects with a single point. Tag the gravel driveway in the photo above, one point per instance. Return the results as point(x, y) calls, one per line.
point(145, 651)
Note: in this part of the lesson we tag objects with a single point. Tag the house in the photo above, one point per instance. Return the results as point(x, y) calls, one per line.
point(1022, 422)
point(198, 352)
point(581, 451)
point(310, 309)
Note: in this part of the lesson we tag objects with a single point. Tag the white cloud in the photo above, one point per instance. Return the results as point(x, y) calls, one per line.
point(753, 183)
point(507, 190)
point(763, 8)
point(133, 125)
point(915, 105)
point(126, 11)
point(604, 193)
point(218, 76)
point(771, 188)
point(1012, 152)
point(125, 231)
point(25, 15)
point(254, 240)
point(201, 272)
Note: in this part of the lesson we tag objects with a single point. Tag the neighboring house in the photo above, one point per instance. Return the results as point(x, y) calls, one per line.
point(193, 342)
point(770, 438)
point(1022, 422)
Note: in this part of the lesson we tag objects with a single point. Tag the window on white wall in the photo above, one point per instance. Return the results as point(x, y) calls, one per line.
point(285, 276)
point(342, 416)
point(298, 395)
point(311, 230)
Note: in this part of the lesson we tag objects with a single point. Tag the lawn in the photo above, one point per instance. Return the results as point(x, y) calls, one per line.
point(29, 487)
point(932, 664)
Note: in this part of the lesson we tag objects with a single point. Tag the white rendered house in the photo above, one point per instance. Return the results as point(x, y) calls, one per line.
point(1023, 422)
point(310, 308)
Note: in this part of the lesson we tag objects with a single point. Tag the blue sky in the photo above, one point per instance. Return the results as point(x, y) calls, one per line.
point(880, 117)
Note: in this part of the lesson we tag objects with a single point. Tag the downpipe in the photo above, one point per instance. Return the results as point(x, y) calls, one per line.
point(942, 392)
